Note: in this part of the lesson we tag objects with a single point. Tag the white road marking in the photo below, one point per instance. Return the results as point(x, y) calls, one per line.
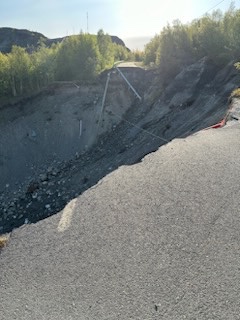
point(66, 217)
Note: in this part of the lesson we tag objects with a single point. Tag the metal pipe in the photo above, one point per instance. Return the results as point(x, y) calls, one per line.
point(129, 84)
point(104, 98)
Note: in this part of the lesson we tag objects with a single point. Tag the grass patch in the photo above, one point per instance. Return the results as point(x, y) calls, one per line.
point(3, 240)
point(235, 93)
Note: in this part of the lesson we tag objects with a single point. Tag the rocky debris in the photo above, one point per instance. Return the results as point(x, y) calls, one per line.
point(43, 177)
point(58, 185)
point(33, 186)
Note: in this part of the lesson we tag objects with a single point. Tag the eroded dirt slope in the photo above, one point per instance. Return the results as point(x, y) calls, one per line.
point(196, 99)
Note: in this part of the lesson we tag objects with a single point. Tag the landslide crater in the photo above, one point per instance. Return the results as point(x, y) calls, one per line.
point(56, 145)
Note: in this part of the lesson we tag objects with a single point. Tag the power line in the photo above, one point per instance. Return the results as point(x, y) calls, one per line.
point(216, 5)
point(134, 125)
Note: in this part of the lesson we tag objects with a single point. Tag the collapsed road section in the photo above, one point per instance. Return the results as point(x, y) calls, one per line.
point(55, 146)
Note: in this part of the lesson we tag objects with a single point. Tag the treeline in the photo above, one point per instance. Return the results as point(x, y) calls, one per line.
point(216, 36)
point(80, 57)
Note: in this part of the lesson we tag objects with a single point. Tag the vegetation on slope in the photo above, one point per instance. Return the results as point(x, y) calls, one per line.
point(80, 57)
point(216, 36)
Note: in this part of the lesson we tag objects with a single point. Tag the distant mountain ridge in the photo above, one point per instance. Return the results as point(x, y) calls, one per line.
point(31, 39)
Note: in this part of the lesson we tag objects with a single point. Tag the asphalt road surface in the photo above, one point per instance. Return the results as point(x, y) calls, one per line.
point(155, 240)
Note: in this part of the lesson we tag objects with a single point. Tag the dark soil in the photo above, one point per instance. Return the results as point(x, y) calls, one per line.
point(142, 130)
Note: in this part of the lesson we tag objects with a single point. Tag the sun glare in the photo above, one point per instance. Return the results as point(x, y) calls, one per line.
point(147, 18)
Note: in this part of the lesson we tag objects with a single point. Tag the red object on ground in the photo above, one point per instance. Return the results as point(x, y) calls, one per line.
point(219, 124)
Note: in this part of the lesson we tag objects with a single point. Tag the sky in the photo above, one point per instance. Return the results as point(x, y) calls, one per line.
point(134, 21)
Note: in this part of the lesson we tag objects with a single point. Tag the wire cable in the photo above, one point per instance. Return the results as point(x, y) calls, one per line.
point(216, 5)
point(134, 125)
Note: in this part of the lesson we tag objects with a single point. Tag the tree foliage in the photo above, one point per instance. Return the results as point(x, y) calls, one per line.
point(216, 36)
point(4, 75)
point(80, 57)
point(106, 49)
point(152, 50)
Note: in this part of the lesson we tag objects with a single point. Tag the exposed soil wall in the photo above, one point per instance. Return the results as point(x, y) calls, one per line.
point(45, 161)
point(53, 128)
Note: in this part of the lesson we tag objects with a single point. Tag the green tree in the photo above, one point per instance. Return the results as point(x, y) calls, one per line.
point(78, 58)
point(4, 75)
point(88, 59)
point(209, 39)
point(19, 67)
point(152, 50)
point(137, 55)
point(175, 50)
point(65, 59)
point(106, 49)
point(42, 66)
point(231, 28)
point(121, 52)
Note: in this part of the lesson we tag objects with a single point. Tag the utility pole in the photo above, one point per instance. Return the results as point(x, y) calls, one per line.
point(103, 101)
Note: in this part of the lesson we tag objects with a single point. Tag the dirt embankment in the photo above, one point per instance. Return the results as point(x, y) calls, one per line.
point(58, 145)
point(53, 128)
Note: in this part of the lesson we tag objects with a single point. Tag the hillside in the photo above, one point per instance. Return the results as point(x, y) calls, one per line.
point(60, 143)
point(30, 39)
